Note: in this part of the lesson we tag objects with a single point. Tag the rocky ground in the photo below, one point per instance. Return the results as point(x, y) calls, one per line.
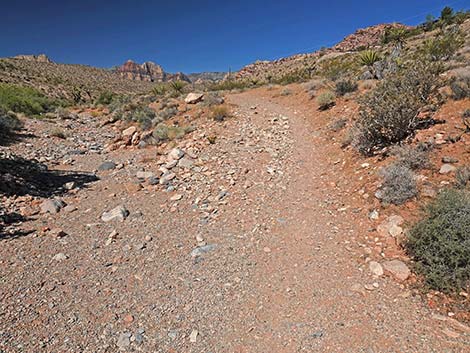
point(250, 235)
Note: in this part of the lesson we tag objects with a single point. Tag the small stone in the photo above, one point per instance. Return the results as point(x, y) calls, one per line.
point(57, 233)
point(176, 197)
point(185, 163)
point(395, 230)
point(107, 166)
point(52, 206)
point(70, 209)
point(397, 269)
point(70, 185)
point(451, 160)
point(60, 257)
point(193, 336)
point(374, 215)
point(124, 340)
point(166, 178)
point(144, 175)
point(129, 131)
point(376, 268)
point(119, 213)
point(200, 250)
point(176, 154)
point(128, 319)
point(447, 168)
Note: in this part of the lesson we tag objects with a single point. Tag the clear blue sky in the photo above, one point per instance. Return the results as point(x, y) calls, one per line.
point(193, 36)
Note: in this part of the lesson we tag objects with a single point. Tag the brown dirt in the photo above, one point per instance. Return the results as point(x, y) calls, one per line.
point(288, 273)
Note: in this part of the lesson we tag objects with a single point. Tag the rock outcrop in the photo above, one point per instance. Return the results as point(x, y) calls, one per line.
point(41, 58)
point(148, 71)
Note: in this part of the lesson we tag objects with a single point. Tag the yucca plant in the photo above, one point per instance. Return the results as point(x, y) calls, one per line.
point(369, 57)
point(177, 86)
point(160, 89)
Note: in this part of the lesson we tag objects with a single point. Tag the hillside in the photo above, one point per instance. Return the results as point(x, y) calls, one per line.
point(315, 203)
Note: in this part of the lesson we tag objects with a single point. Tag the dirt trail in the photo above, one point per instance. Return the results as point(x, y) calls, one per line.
point(260, 244)
point(309, 289)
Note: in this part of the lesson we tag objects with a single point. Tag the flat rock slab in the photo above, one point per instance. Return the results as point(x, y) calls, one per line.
point(397, 269)
point(118, 213)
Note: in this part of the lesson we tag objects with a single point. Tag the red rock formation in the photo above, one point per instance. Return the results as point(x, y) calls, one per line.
point(148, 71)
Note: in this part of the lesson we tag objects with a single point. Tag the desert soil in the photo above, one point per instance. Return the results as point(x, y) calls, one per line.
point(262, 245)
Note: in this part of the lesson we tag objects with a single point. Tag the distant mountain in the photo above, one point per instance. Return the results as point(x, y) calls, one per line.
point(207, 76)
point(148, 71)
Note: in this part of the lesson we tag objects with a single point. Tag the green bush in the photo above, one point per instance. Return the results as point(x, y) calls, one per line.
point(442, 47)
point(326, 100)
point(160, 89)
point(24, 100)
point(389, 113)
point(345, 86)
point(228, 85)
point(178, 86)
point(338, 67)
point(399, 184)
point(105, 98)
point(440, 243)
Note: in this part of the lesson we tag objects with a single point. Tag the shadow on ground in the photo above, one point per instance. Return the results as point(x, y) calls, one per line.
point(20, 177)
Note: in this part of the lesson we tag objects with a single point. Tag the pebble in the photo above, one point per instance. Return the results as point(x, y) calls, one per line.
point(193, 336)
point(200, 250)
point(118, 213)
point(376, 268)
point(107, 166)
point(447, 168)
point(397, 269)
point(60, 257)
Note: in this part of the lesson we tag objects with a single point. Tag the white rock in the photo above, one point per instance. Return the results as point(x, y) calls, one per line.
point(447, 168)
point(193, 98)
point(193, 336)
point(176, 154)
point(376, 268)
point(129, 131)
point(397, 269)
point(60, 257)
point(118, 213)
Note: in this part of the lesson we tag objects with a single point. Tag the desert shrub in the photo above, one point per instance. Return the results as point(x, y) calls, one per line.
point(9, 122)
point(338, 67)
point(460, 88)
point(163, 132)
point(442, 47)
point(228, 85)
point(440, 243)
point(167, 112)
point(178, 86)
point(211, 99)
point(399, 34)
point(286, 92)
point(160, 89)
point(338, 124)
point(399, 184)
point(119, 102)
point(220, 112)
point(389, 113)
point(25, 100)
point(462, 177)
point(345, 86)
point(299, 75)
point(313, 85)
point(413, 157)
point(57, 132)
point(105, 98)
point(141, 114)
point(326, 100)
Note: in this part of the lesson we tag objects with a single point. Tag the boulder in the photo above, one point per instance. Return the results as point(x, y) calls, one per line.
point(118, 213)
point(193, 98)
point(397, 269)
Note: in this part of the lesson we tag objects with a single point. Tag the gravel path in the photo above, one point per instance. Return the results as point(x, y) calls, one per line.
point(260, 245)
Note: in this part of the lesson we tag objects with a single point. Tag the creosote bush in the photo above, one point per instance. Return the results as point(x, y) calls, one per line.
point(462, 177)
point(389, 113)
point(440, 243)
point(460, 88)
point(442, 47)
point(345, 86)
point(25, 100)
point(414, 158)
point(399, 184)
point(326, 100)
point(9, 123)
point(219, 112)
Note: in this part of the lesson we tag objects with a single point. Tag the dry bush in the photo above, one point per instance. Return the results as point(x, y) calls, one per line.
point(413, 157)
point(326, 100)
point(389, 113)
point(399, 184)
point(220, 112)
